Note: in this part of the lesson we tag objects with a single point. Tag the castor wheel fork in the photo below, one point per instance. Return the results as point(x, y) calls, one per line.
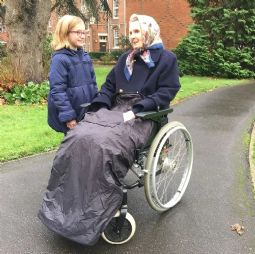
point(122, 226)
point(123, 212)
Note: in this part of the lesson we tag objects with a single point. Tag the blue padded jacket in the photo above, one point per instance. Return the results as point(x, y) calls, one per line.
point(72, 82)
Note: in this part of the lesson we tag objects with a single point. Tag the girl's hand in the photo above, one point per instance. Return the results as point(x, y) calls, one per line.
point(71, 124)
point(129, 115)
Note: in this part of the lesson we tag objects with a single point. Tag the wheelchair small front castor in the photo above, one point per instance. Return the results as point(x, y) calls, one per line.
point(120, 230)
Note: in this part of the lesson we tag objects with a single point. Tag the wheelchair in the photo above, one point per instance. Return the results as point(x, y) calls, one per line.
point(163, 167)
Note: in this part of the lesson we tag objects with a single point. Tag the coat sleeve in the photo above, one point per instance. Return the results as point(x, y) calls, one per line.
point(58, 78)
point(167, 87)
point(93, 75)
point(108, 90)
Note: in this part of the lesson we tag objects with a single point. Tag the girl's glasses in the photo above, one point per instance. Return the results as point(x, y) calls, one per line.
point(79, 33)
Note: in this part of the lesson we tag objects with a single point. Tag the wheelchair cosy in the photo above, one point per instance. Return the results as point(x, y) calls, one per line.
point(163, 167)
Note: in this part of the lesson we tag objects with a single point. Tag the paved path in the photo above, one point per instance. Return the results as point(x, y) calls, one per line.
point(219, 193)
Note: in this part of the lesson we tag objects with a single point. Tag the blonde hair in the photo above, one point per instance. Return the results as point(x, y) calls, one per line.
point(64, 26)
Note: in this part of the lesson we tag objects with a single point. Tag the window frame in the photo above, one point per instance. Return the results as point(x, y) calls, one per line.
point(116, 44)
point(115, 9)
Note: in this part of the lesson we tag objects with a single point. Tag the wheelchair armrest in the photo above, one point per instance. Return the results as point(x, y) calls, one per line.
point(85, 105)
point(154, 115)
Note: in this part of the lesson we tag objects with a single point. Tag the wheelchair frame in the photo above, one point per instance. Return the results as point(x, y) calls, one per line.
point(147, 171)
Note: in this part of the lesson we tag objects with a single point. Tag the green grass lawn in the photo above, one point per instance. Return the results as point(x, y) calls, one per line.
point(191, 85)
point(24, 130)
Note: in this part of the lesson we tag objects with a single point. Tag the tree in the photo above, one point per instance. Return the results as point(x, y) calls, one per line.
point(2, 9)
point(27, 21)
point(222, 40)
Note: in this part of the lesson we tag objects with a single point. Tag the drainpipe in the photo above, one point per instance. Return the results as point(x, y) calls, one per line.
point(108, 32)
point(125, 22)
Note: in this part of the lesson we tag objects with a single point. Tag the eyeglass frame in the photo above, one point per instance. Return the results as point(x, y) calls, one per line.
point(78, 33)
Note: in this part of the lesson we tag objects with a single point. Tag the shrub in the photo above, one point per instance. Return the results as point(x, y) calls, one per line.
point(117, 53)
point(97, 55)
point(124, 42)
point(196, 57)
point(107, 58)
point(29, 93)
point(10, 74)
point(222, 42)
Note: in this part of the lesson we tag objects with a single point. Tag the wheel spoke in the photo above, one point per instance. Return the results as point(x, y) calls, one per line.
point(170, 168)
point(167, 176)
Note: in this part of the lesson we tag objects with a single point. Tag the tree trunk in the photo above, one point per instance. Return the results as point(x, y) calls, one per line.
point(26, 22)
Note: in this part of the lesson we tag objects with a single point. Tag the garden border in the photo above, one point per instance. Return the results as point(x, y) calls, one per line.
point(251, 154)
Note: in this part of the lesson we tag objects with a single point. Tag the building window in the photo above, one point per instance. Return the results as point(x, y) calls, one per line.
point(92, 20)
point(84, 8)
point(116, 38)
point(115, 9)
point(103, 37)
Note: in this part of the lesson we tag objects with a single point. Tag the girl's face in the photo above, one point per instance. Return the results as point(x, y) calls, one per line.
point(135, 35)
point(76, 36)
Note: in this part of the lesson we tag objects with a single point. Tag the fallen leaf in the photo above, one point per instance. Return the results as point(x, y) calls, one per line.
point(238, 228)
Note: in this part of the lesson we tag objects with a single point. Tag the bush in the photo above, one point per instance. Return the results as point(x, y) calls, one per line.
point(10, 74)
point(196, 57)
point(107, 59)
point(97, 55)
point(29, 93)
point(124, 42)
point(222, 42)
point(117, 53)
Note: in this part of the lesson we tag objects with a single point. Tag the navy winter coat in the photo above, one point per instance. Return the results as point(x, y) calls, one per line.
point(72, 82)
point(158, 85)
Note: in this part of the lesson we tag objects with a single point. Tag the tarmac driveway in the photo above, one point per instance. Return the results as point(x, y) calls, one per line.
point(219, 193)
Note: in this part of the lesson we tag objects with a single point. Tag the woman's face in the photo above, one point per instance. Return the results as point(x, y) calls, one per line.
point(135, 35)
point(76, 36)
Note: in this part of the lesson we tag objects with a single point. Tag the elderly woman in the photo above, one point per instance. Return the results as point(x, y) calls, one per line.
point(84, 190)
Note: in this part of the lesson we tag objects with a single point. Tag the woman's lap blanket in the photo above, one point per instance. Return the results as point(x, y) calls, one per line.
point(84, 190)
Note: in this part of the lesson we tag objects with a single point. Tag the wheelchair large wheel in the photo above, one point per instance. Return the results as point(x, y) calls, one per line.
point(113, 235)
point(168, 166)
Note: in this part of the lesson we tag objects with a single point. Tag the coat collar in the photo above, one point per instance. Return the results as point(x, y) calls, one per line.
point(155, 54)
point(70, 52)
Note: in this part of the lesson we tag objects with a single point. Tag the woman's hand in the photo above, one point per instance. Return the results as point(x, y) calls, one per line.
point(129, 115)
point(71, 124)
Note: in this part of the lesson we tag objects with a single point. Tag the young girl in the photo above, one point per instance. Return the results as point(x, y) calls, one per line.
point(72, 78)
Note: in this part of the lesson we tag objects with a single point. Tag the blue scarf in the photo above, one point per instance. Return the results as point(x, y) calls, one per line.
point(145, 56)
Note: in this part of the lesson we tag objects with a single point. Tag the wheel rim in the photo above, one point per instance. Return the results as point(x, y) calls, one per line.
point(171, 165)
point(152, 191)
point(113, 236)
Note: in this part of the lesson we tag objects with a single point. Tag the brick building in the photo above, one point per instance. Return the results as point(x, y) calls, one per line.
point(172, 16)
